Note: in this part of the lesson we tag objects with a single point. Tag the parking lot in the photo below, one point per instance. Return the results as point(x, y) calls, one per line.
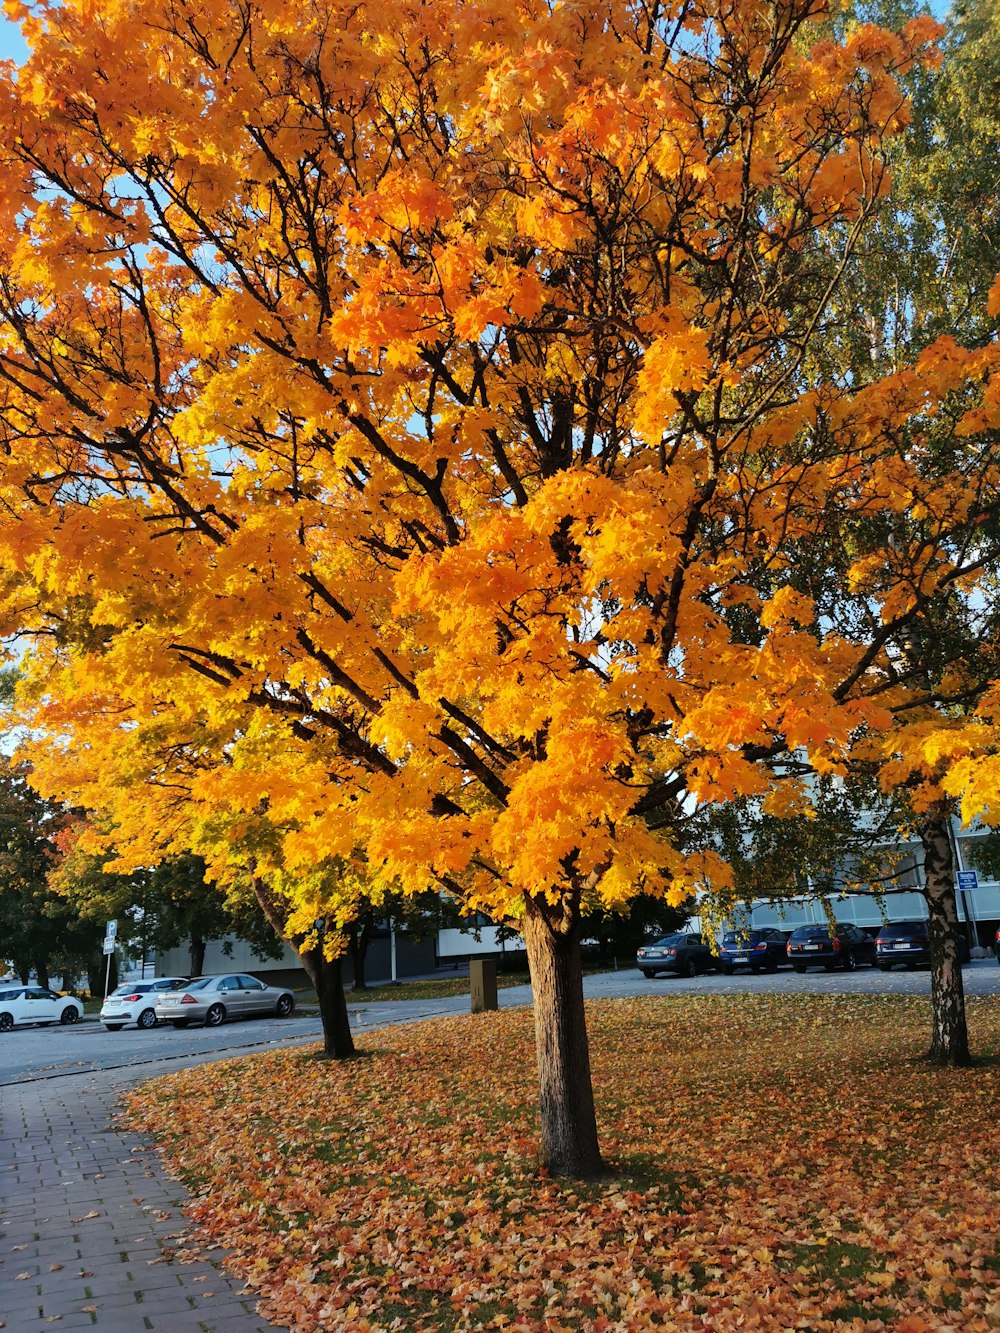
point(29, 1054)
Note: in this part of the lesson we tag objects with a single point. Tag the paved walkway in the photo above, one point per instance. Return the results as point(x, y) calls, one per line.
point(90, 1222)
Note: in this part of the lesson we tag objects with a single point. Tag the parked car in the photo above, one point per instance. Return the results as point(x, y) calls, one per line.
point(686, 954)
point(760, 950)
point(135, 1001)
point(20, 1005)
point(907, 944)
point(211, 1000)
point(845, 946)
point(996, 946)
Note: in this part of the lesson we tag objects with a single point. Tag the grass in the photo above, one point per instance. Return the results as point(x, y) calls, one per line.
point(435, 988)
point(778, 1162)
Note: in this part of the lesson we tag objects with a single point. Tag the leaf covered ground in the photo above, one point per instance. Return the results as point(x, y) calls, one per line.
point(779, 1162)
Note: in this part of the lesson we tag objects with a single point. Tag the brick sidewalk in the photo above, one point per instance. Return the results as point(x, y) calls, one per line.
point(89, 1222)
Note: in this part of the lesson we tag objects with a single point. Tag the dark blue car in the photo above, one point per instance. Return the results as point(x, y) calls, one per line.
point(683, 953)
point(760, 950)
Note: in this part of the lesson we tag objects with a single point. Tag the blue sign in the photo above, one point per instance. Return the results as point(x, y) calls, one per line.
point(968, 879)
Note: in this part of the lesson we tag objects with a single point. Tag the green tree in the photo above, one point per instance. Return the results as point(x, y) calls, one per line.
point(923, 270)
point(38, 929)
point(164, 906)
point(926, 269)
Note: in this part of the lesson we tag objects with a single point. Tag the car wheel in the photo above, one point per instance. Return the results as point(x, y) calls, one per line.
point(850, 963)
point(884, 967)
point(648, 973)
point(114, 1027)
point(179, 1022)
point(69, 1014)
point(829, 967)
point(147, 1019)
point(690, 969)
point(770, 967)
point(6, 1022)
point(727, 970)
point(284, 1006)
point(799, 967)
point(215, 1016)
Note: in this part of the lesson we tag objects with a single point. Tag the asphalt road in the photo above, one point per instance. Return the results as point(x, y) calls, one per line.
point(30, 1054)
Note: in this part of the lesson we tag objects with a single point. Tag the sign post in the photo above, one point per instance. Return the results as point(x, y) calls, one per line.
point(110, 935)
point(968, 882)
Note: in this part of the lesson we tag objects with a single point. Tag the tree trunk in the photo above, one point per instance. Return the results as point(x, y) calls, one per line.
point(949, 1033)
point(358, 940)
point(569, 1144)
point(97, 971)
point(326, 974)
point(197, 956)
point(42, 973)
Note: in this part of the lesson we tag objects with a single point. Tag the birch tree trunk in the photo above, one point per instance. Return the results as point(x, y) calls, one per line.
point(949, 1032)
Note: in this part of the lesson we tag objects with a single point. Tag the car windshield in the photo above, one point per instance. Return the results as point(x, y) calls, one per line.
point(199, 983)
point(131, 988)
point(901, 929)
point(739, 936)
point(670, 939)
point(811, 933)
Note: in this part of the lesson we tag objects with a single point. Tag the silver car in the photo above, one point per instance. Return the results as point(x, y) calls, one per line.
point(211, 1000)
point(135, 1002)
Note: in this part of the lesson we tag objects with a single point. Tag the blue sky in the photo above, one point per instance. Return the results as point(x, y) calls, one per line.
point(11, 46)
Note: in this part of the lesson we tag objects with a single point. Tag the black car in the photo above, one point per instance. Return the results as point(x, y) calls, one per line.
point(907, 944)
point(996, 946)
point(843, 946)
point(682, 953)
point(760, 950)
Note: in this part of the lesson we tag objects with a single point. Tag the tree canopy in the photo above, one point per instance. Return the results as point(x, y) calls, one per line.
point(409, 432)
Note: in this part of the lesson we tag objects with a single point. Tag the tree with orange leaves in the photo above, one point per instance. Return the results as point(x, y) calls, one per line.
point(397, 404)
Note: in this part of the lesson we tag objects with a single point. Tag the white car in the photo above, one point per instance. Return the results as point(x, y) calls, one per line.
point(135, 1002)
point(20, 1005)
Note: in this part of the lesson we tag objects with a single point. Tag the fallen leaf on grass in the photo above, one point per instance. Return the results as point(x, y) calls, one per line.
point(880, 1279)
